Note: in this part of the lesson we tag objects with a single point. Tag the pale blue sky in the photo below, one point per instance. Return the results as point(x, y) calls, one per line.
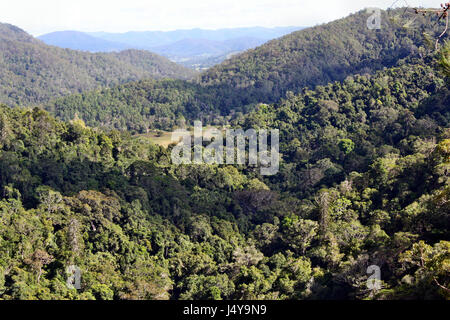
point(38, 17)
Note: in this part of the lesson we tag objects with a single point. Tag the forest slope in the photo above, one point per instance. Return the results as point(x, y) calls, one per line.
point(32, 72)
point(319, 55)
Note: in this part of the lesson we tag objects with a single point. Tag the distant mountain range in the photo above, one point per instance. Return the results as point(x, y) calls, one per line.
point(81, 41)
point(196, 48)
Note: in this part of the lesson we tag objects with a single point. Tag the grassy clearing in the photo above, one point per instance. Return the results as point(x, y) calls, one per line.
point(164, 138)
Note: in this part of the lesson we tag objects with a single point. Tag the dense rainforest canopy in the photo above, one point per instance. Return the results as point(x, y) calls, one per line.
point(364, 180)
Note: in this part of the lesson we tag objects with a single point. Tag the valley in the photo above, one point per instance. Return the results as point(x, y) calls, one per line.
point(196, 49)
point(87, 177)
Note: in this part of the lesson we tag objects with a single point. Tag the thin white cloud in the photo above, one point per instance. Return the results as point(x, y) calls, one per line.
point(43, 16)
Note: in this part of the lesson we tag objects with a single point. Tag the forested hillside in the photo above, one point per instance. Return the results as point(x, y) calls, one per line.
point(319, 55)
point(138, 106)
point(335, 129)
point(364, 181)
point(303, 59)
point(32, 72)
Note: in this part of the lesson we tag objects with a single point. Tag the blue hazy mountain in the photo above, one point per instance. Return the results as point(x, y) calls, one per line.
point(150, 39)
point(203, 47)
point(81, 41)
point(194, 48)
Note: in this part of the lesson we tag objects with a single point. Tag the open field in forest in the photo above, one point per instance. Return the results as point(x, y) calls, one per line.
point(164, 138)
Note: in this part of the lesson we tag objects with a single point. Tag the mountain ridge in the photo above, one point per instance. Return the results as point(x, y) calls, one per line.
point(145, 38)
